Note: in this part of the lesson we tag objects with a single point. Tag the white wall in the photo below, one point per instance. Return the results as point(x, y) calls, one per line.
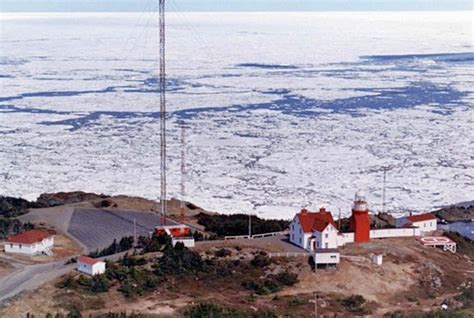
point(402, 232)
point(187, 241)
point(427, 226)
point(327, 238)
point(96, 269)
point(326, 258)
point(30, 249)
point(297, 236)
point(345, 238)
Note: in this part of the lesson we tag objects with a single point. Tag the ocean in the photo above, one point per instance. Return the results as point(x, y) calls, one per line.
point(283, 110)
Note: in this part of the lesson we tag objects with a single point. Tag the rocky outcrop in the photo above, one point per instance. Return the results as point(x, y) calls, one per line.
point(11, 207)
point(47, 200)
point(455, 213)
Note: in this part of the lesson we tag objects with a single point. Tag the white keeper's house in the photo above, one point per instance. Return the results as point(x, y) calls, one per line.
point(425, 222)
point(90, 265)
point(314, 230)
point(30, 243)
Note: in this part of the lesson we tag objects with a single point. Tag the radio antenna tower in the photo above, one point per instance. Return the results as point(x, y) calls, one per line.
point(183, 173)
point(162, 110)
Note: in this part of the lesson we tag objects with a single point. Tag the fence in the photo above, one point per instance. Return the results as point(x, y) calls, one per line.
point(355, 258)
point(398, 232)
point(246, 237)
point(236, 237)
point(269, 234)
point(288, 254)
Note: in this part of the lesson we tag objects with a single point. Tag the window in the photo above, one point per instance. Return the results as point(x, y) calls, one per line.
point(20, 246)
point(300, 240)
point(333, 256)
point(327, 245)
point(327, 235)
point(292, 237)
point(317, 244)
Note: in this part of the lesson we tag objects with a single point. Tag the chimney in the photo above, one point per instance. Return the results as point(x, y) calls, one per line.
point(322, 209)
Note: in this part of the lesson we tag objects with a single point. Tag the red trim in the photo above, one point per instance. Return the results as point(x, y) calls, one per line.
point(88, 260)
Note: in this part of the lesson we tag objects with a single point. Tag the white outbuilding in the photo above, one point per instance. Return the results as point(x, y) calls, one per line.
point(327, 257)
point(425, 222)
point(33, 242)
point(90, 266)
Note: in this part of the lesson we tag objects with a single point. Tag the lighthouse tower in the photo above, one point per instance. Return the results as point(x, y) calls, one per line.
point(360, 222)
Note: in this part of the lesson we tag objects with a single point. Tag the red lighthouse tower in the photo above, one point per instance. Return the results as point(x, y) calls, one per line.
point(360, 222)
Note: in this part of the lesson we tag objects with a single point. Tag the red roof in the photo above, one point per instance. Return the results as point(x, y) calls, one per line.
point(421, 217)
point(315, 220)
point(88, 260)
point(29, 237)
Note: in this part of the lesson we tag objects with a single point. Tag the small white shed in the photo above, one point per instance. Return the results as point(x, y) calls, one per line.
point(326, 257)
point(377, 259)
point(90, 266)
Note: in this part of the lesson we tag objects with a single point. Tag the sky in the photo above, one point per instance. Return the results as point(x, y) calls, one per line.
point(234, 5)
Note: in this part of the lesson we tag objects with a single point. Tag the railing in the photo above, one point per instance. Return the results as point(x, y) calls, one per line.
point(236, 237)
point(355, 258)
point(246, 237)
point(270, 234)
point(288, 254)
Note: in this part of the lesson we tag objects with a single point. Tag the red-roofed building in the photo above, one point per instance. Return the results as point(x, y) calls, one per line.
point(426, 222)
point(90, 266)
point(314, 230)
point(31, 243)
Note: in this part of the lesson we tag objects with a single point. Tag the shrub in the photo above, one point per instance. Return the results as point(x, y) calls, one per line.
point(355, 304)
point(67, 282)
point(223, 252)
point(128, 261)
point(123, 245)
point(205, 310)
point(261, 260)
point(286, 278)
point(272, 283)
point(179, 259)
point(237, 224)
point(99, 284)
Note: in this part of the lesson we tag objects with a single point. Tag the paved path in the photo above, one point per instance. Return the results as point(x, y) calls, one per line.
point(30, 277)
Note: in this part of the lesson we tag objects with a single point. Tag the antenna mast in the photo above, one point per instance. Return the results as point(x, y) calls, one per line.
point(162, 111)
point(183, 173)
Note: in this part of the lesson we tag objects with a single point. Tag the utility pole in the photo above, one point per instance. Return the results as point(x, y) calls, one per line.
point(315, 305)
point(250, 225)
point(162, 110)
point(385, 169)
point(135, 232)
point(339, 221)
